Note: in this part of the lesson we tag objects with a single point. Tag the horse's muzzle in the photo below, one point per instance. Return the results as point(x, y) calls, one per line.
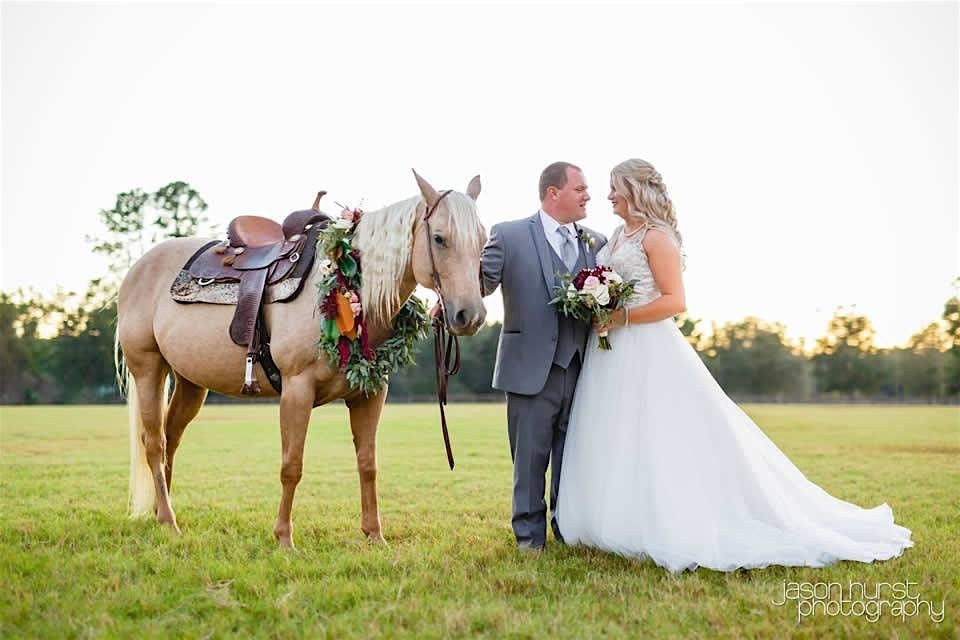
point(465, 320)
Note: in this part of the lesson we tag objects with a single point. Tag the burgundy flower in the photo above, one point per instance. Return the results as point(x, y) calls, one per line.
point(344, 346)
point(329, 305)
point(365, 350)
point(580, 278)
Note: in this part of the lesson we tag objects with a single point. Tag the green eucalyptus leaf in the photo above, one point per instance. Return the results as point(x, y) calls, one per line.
point(348, 266)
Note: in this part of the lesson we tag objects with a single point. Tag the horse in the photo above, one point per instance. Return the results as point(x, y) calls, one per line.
point(158, 339)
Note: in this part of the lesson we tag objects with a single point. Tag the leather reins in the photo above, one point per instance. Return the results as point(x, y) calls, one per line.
point(446, 346)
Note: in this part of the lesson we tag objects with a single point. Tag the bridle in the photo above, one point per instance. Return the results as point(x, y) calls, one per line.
point(446, 345)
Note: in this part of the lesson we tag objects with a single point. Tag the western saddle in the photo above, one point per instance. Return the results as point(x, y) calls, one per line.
point(257, 253)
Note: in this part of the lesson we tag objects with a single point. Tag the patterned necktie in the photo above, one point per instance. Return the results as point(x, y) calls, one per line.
point(568, 250)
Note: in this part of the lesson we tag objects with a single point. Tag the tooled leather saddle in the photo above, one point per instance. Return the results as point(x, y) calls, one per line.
point(260, 262)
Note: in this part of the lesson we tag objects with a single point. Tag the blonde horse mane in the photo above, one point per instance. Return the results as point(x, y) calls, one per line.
point(385, 240)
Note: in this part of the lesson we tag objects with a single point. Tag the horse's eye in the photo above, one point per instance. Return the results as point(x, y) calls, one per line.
point(438, 239)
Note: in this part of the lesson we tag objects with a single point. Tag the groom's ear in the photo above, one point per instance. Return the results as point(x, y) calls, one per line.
point(473, 189)
point(429, 194)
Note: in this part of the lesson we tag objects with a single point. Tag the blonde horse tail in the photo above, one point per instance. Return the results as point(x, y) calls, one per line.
point(142, 493)
point(142, 496)
point(120, 373)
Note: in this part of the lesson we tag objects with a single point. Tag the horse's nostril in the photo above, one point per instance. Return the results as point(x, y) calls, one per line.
point(460, 319)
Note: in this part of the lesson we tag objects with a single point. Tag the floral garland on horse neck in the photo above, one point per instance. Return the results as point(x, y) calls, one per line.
point(343, 335)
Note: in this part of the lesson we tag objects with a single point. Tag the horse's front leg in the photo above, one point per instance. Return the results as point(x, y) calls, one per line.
point(296, 401)
point(364, 417)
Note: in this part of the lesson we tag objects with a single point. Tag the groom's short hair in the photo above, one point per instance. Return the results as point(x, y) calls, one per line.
point(555, 175)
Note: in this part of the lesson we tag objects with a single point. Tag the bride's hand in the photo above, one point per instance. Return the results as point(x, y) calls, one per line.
point(600, 329)
point(615, 319)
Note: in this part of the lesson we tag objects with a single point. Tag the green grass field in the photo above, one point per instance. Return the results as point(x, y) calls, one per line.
point(73, 565)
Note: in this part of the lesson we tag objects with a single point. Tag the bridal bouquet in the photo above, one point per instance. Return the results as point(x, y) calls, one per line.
point(591, 295)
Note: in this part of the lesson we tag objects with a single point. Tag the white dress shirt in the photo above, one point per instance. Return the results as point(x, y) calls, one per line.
point(555, 240)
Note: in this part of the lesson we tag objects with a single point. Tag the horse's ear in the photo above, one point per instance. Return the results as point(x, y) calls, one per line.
point(473, 189)
point(429, 194)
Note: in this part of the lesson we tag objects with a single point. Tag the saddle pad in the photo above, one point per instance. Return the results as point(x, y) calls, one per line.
point(185, 289)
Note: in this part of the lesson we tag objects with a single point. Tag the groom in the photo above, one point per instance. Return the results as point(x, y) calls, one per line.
point(540, 352)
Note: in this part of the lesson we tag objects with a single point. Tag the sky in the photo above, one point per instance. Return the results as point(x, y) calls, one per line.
point(811, 150)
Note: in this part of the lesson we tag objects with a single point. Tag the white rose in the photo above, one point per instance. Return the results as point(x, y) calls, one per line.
point(601, 294)
point(343, 223)
point(612, 276)
point(596, 290)
point(327, 267)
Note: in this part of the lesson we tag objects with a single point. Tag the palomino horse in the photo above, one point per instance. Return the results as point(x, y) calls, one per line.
point(190, 343)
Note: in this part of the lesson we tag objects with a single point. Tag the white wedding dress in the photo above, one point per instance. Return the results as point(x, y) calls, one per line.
point(660, 463)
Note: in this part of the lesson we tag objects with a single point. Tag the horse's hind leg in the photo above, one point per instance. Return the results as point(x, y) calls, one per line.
point(364, 418)
point(150, 371)
point(184, 405)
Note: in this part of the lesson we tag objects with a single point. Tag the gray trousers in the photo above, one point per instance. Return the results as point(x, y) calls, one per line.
point(537, 426)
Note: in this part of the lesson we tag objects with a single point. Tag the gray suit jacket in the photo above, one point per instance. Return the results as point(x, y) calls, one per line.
point(517, 258)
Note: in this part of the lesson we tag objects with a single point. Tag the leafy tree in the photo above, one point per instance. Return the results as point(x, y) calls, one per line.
point(125, 239)
point(180, 210)
point(477, 358)
point(175, 210)
point(81, 354)
point(17, 371)
point(922, 365)
point(24, 317)
point(479, 355)
point(933, 337)
point(845, 357)
point(688, 327)
point(951, 319)
point(752, 357)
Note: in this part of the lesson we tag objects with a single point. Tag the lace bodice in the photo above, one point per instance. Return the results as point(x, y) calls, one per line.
point(630, 261)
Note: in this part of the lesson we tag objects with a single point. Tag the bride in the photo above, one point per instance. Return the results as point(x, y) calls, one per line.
point(659, 462)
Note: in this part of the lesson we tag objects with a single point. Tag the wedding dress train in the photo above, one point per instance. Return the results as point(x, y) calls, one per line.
point(660, 463)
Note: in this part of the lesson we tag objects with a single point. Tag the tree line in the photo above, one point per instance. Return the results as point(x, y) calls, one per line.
point(59, 348)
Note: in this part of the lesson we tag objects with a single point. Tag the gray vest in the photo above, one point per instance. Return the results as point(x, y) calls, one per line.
point(572, 334)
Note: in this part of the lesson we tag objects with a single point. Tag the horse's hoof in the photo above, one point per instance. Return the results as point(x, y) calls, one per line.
point(376, 539)
point(171, 526)
point(285, 542)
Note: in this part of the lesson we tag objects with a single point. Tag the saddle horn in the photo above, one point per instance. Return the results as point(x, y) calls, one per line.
point(316, 202)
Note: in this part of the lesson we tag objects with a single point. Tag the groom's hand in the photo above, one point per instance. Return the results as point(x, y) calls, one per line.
point(491, 262)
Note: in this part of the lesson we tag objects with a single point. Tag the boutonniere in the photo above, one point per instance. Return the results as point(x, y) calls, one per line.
point(587, 240)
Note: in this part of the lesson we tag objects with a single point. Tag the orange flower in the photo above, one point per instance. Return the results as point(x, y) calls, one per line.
point(345, 320)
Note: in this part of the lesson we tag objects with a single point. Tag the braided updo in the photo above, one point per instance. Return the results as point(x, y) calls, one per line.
point(646, 195)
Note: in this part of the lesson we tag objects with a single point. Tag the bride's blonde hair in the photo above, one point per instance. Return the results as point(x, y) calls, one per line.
point(647, 198)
